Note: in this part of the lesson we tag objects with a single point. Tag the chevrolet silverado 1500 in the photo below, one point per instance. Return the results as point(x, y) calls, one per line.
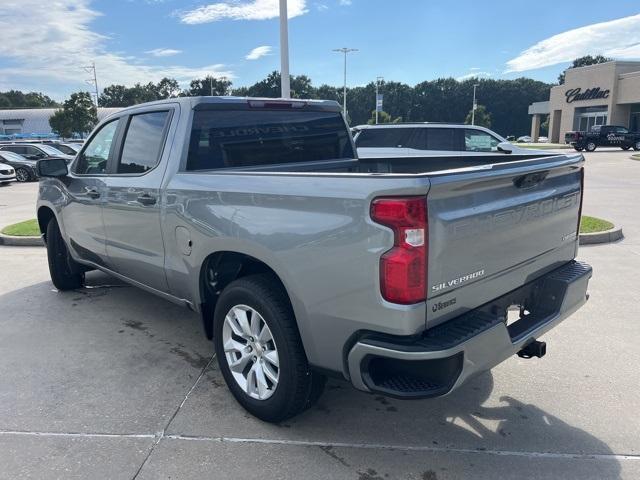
point(399, 275)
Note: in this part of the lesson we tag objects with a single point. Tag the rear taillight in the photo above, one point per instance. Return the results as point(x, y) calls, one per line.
point(403, 268)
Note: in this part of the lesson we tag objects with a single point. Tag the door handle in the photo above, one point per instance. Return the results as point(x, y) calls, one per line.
point(92, 192)
point(146, 199)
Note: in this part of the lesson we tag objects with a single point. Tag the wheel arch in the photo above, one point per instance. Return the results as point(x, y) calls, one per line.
point(221, 268)
point(45, 214)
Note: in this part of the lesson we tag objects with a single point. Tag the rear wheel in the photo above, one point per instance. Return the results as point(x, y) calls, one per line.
point(260, 352)
point(577, 148)
point(590, 147)
point(22, 175)
point(66, 273)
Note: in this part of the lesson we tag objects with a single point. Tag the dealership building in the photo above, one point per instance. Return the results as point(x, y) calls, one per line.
point(602, 94)
point(34, 121)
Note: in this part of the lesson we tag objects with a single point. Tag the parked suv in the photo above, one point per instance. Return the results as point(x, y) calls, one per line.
point(35, 151)
point(25, 169)
point(431, 139)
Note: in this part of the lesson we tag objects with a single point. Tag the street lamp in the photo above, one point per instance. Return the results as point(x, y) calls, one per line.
point(284, 51)
point(473, 108)
point(378, 80)
point(345, 50)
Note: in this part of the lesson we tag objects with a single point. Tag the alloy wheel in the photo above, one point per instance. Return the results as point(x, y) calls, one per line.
point(22, 175)
point(250, 352)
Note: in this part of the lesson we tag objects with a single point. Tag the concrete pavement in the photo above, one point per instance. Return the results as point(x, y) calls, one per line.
point(111, 382)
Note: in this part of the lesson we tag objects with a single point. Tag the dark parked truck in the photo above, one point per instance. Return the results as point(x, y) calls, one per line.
point(603, 136)
point(405, 277)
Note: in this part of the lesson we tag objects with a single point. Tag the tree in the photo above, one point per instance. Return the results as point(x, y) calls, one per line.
point(18, 99)
point(168, 88)
point(383, 117)
point(122, 96)
point(208, 86)
point(482, 117)
point(60, 123)
point(583, 62)
point(77, 116)
point(301, 87)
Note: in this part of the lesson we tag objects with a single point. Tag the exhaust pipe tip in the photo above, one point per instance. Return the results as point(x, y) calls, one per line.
point(533, 349)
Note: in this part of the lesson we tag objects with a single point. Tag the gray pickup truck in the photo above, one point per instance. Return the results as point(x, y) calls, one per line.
point(404, 276)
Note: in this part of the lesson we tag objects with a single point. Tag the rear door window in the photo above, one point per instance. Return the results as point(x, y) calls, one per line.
point(442, 139)
point(383, 137)
point(16, 149)
point(143, 142)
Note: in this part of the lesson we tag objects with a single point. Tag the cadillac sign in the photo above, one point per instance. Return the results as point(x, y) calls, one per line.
point(576, 94)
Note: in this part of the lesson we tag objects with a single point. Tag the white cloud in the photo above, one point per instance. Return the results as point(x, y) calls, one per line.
point(52, 54)
point(474, 74)
point(163, 52)
point(345, 3)
point(258, 52)
point(617, 38)
point(242, 10)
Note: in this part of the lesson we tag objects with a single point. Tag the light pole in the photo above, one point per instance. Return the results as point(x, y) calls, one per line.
point(91, 69)
point(378, 79)
point(284, 51)
point(473, 108)
point(345, 50)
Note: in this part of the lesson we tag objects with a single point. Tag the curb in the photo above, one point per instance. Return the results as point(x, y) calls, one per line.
point(21, 241)
point(608, 236)
point(635, 157)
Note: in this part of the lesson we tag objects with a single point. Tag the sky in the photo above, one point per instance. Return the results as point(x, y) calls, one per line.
point(45, 45)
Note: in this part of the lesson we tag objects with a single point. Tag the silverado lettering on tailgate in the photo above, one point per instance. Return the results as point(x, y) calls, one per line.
point(505, 219)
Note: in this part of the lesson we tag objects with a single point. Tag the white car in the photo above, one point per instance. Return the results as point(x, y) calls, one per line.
point(431, 139)
point(7, 173)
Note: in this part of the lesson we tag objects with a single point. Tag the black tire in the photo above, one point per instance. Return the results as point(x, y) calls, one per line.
point(626, 147)
point(590, 147)
point(66, 273)
point(23, 175)
point(637, 145)
point(298, 386)
point(578, 149)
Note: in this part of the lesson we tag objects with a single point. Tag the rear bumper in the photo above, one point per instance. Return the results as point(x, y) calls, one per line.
point(444, 357)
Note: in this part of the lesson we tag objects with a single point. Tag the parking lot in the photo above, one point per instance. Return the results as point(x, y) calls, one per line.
point(112, 382)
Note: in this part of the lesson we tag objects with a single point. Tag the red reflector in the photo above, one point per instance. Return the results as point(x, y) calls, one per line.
point(403, 268)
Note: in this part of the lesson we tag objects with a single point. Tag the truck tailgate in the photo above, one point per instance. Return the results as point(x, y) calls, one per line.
point(495, 228)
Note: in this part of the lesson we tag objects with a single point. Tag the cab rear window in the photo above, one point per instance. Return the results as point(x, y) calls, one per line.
point(244, 138)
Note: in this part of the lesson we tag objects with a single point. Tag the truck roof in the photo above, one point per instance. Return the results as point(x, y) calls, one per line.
point(220, 102)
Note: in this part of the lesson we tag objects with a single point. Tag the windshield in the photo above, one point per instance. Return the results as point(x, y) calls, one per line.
point(49, 150)
point(11, 156)
point(238, 138)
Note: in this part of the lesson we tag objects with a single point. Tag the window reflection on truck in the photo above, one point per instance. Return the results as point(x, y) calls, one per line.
point(506, 219)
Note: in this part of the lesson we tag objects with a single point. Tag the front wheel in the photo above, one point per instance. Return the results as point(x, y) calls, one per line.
point(22, 175)
point(637, 146)
point(260, 352)
point(66, 273)
point(577, 149)
point(591, 146)
point(626, 147)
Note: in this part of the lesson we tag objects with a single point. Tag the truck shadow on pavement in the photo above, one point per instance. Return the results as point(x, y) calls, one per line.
point(111, 358)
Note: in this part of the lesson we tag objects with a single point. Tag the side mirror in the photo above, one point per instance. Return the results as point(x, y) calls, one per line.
point(53, 167)
point(32, 157)
point(505, 147)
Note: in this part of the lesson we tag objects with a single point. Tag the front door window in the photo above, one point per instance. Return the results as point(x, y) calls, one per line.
point(93, 159)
